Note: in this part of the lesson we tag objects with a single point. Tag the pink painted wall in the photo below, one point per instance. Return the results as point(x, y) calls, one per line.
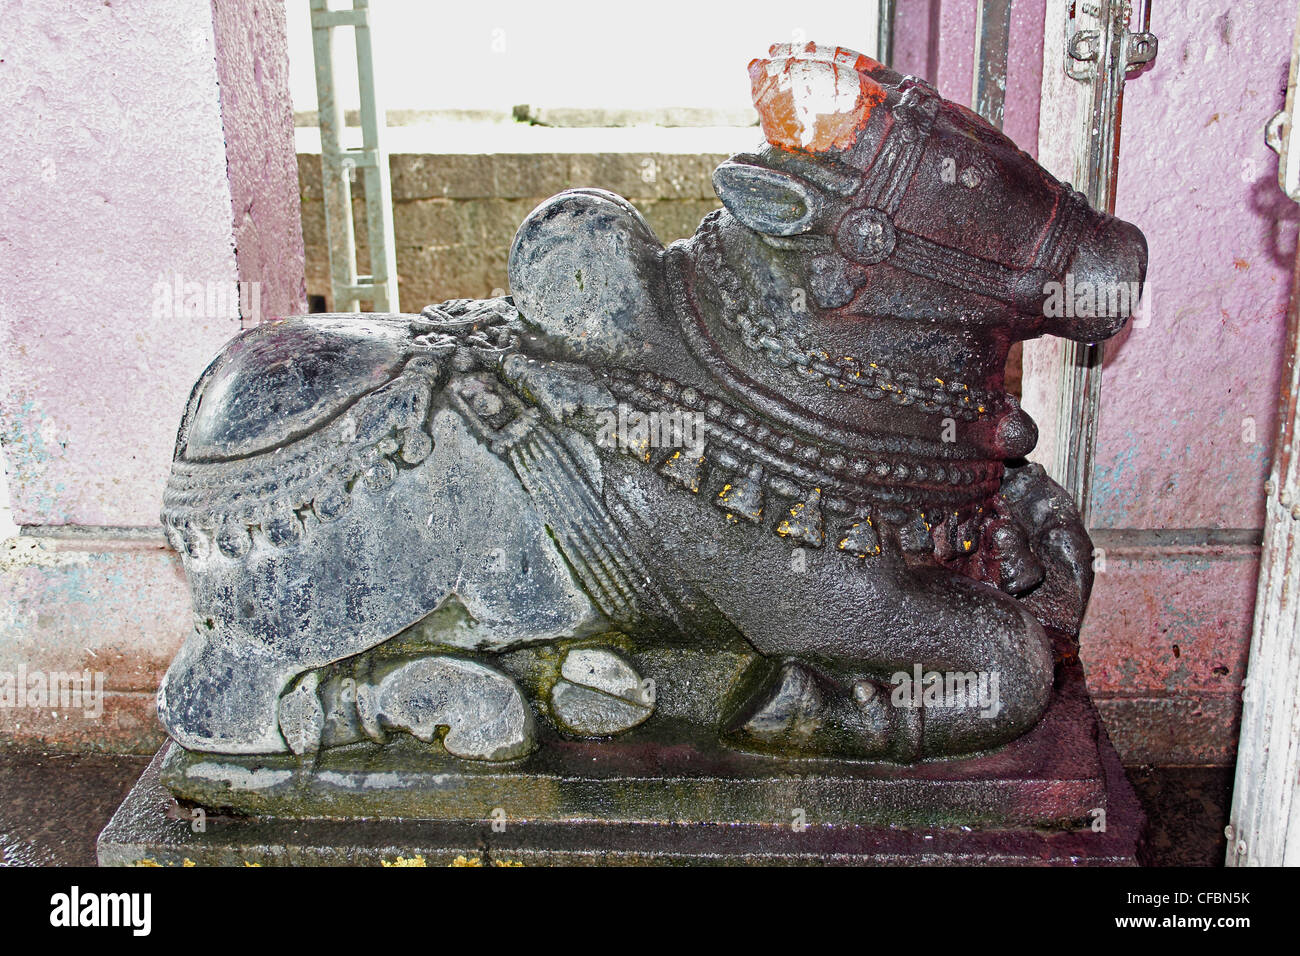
point(1164, 647)
point(111, 140)
point(1189, 401)
point(142, 149)
point(253, 75)
point(1196, 175)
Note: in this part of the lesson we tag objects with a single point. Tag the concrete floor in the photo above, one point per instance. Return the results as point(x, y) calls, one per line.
point(52, 806)
point(1187, 810)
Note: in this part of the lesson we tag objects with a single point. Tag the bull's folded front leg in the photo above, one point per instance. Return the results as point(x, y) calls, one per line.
point(929, 664)
point(1055, 536)
point(854, 645)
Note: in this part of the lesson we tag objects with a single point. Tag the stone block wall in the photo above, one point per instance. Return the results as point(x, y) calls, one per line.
point(454, 216)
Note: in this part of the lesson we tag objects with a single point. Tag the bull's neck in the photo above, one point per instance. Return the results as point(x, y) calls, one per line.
point(757, 316)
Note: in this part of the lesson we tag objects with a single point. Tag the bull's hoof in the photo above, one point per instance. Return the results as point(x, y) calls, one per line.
point(479, 711)
point(302, 718)
point(599, 694)
point(800, 712)
point(1057, 548)
point(792, 710)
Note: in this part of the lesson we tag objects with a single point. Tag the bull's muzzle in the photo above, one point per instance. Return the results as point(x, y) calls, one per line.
point(1102, 285)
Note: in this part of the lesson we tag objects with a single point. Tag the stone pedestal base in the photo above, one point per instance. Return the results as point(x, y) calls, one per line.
point(638, 800)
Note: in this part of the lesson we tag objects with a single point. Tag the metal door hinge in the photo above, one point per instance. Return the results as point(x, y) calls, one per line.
point(1084, 38)
point(1281, 132)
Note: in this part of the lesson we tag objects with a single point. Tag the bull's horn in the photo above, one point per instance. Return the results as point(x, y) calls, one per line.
point(823, 51)
point(812, 105)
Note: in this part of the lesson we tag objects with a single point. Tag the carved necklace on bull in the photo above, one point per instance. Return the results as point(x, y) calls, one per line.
point(863, 495)
point(857, 501)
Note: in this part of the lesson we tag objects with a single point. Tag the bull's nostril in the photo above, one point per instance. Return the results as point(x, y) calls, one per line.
point(1103, 284)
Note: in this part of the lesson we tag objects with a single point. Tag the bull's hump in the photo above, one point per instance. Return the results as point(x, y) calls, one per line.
point(283, 380)
point(584, 270)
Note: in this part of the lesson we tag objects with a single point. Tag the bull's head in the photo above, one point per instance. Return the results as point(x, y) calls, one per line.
point(896, 204)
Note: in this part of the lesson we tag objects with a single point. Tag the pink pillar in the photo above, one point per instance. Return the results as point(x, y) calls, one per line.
point(149, 164)
point(935, 39)
point(257, 114)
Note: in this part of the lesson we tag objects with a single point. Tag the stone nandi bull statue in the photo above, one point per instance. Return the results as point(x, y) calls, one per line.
point(468, 526)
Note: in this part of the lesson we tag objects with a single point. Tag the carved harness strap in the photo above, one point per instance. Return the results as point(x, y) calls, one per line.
point(868, 236)
point(478, 339)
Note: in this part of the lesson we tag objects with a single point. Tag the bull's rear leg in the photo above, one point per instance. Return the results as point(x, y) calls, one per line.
point(349, 581)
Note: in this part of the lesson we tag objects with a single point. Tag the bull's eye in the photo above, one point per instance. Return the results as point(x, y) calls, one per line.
point(866, 236)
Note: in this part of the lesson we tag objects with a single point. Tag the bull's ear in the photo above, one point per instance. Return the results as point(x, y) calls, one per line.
point(767, 201)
